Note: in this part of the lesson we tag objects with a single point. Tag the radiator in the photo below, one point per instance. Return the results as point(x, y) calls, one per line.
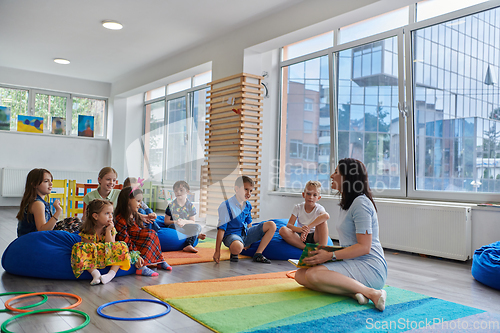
point(432, 229)
point(14, 180)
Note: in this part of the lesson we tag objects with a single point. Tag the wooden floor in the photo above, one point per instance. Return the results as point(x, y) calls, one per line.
point(445, 279)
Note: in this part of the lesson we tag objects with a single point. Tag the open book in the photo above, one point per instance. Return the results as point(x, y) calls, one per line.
point(312, 247)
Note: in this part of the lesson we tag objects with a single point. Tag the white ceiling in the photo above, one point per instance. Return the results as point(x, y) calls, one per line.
point(34, 32)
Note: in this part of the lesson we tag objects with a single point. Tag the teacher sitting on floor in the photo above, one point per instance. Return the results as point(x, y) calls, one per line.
point(362, 272)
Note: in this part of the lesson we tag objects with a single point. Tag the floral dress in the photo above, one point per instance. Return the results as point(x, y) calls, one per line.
point(98, 254)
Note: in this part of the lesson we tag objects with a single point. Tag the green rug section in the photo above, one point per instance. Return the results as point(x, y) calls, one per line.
point(245, 317)
point(281, 305)
point(346, 306)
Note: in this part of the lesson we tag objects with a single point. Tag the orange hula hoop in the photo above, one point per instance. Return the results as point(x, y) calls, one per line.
point(78, 300)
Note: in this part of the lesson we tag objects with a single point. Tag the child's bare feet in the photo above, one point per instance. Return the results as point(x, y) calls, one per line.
point(202, 236)
point(190, 248)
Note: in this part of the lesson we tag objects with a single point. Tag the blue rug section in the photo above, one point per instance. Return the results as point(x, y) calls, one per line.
point(396, 318)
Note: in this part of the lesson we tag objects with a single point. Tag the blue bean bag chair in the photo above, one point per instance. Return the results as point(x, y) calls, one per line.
point(46, 254)
point(170, 239)
point(486, 265)
point(277, 249)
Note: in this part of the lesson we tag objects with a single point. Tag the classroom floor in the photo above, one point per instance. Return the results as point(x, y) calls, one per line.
point(445, 279)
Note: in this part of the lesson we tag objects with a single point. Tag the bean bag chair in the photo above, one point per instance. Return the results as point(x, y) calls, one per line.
point(277, 249)
point(486, 265)
point(170, 239)
point(46, 254)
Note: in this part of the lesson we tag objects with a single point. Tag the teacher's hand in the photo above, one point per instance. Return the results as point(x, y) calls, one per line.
point(317, 257)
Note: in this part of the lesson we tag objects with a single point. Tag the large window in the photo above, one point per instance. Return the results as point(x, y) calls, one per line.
point(368, 116)
point(154, 140)
point(89, 107)
point(174, 137)
point(440, 134)
point(306, 117)
point(14, 102)
point(55, 108)
point(456, 104)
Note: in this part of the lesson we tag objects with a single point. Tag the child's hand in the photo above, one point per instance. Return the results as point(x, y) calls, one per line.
point(139, 263)
point(152, 216)
point(181, 222)
point(145, 219)
point(110, 226)
point(57, 205)
point(216, 256)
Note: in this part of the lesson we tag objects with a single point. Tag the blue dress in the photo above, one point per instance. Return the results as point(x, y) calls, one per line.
point(27, 224)
point(369, 269)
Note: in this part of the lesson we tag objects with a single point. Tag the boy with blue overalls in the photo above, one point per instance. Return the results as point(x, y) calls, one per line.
point(234, 227)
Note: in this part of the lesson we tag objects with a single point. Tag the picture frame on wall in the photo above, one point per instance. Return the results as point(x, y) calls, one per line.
point(58, 125)
point(4, 118)
point(86, 126)
point(29, 124)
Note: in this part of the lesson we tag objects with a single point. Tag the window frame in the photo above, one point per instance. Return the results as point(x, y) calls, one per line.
point(333, 80)
point(406, 122)
point(69, 110)
point(187, 94)
point(411, 179)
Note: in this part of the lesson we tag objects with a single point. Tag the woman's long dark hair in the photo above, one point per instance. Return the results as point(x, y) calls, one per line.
point(354, 182)
point(34, 178)
point(122, 209)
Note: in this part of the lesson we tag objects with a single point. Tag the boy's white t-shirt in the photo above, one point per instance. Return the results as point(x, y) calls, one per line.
point(304, 218)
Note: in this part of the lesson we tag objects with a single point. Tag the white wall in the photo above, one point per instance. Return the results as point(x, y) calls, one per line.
point(52, 152)
point(22, 78)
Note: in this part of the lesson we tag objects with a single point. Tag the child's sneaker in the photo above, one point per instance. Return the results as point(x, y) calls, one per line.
point(258, 257)
point(234, 258)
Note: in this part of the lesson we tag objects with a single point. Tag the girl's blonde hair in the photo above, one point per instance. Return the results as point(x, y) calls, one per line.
point(89, 222)
point(105, 171)
point(34, 178)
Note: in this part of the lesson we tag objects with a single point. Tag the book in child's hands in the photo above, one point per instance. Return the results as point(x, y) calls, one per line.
point(312, 247)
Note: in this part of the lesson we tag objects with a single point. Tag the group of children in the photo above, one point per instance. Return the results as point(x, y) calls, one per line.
point(119, 229)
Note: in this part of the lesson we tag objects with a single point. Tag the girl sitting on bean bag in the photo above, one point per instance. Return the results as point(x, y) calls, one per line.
point(131, 230)
point(98, 248)
point(34, 212)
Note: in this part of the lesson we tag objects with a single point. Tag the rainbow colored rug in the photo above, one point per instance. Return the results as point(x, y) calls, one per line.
point(205, 254)
point(274, 303)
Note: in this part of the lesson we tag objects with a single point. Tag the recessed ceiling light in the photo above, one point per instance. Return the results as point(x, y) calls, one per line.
point(61, 61)
point(113, 25)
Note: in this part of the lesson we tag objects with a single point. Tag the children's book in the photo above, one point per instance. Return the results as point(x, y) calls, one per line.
point(312, 247)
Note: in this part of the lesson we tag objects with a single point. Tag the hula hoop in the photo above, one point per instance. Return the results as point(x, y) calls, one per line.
point(85, 323)
point(78, 300)
point(168, 308)
point(22, 293)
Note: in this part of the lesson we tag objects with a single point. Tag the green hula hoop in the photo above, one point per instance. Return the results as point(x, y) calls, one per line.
point(85, 323)
point(22, 293)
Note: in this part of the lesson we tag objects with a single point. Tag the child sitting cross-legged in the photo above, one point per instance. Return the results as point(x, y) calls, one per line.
point(180, 215)
point(147, 215)
point(131, 230)
point(235, 220)
point(98, 247)
point(311, 219)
